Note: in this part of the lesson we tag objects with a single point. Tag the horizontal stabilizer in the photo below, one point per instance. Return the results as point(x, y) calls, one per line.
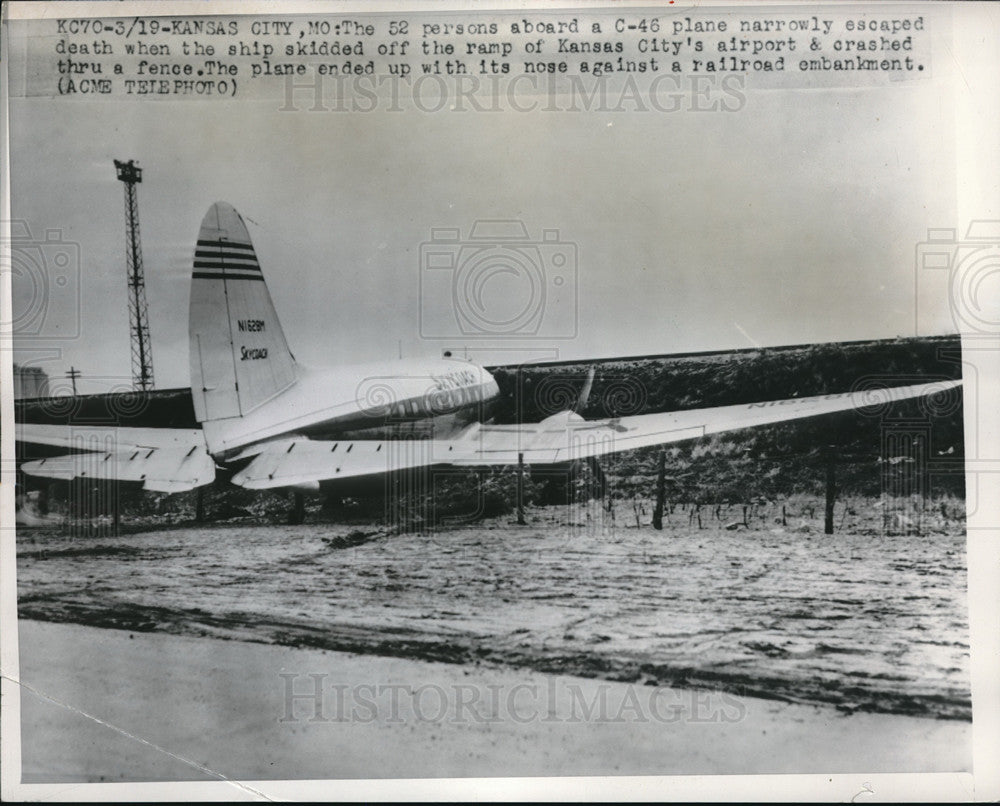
point(162, 469)
point(89, 437)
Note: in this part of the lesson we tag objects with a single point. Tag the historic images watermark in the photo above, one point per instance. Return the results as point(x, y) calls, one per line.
point(524, 92)
point(320, 698)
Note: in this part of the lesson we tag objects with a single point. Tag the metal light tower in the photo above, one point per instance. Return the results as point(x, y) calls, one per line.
point(142, 354)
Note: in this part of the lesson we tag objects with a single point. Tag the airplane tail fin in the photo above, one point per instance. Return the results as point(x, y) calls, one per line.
point(238, 354)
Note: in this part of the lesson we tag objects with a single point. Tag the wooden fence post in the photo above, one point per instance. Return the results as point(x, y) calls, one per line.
point(661, 491)
point(520, 489)
point(831, 488)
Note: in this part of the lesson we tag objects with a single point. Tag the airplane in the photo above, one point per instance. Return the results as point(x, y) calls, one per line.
point(266, 421)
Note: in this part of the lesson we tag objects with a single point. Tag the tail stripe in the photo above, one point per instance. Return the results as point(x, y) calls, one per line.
point(233, 256)
point(205, 263)
point(227, 267)
point(199, 275)
point(226, 244)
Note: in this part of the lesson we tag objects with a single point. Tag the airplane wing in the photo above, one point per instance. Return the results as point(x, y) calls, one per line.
point(166, 460)
point(563, 437)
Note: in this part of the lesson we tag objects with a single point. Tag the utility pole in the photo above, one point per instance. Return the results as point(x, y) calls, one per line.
point(142, 356)
point(73, 374)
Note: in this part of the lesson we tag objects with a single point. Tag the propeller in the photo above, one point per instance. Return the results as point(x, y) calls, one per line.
point(592, 463)
point(581, 401)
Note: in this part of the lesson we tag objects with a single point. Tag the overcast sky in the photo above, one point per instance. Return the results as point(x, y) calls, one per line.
point(793, 220)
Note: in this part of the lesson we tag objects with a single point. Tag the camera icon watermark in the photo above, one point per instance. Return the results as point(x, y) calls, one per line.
point(875, 397)
point(498, 282)
point(921, 448)
point(972, 266)
point(117, 404)
point(45, 283)
point(591, 395)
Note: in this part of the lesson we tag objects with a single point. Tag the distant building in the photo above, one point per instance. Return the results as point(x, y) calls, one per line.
point(30, 382)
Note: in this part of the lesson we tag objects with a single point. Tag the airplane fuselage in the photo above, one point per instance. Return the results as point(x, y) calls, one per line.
point(327, 401)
